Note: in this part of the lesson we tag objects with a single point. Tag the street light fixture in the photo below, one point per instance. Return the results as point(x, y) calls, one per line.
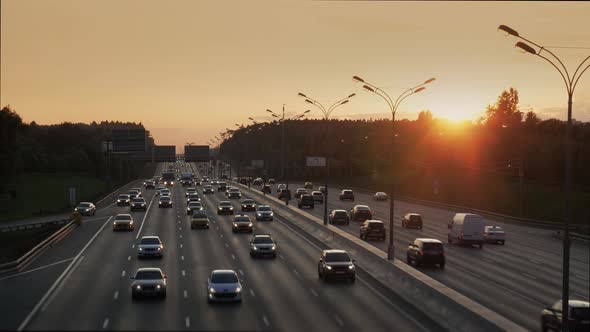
point(393, 107)
point(570, 84)
point(326, 118)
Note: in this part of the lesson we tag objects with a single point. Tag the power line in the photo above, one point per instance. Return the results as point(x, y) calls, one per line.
point(572, 47)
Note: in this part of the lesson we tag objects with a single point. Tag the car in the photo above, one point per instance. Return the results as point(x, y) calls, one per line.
point(266, 189)
point(208, 189)
point(360, 213)
point(308, 185)
point(426, 251)
point(372, 229)
point(380, 196)
point(280, 187)
point(204, 179)
point(148, 281)
point(495, 234)
point(339, 217)
point(150, 184)
point(86, 208)
point(199, 219)
point(123, 200)
point(234, 193)
point(318, 196)
point(193, 206)
point(224, 286)
point(165, 192)
point(190, 190)
point(193, 198)
point(123, 221)
point(466, 228)
point(165, 201)
point(215, 182)
point(322, 189)
point(248, 205)
point(139, 193)
point(150, 246)
point(225, 207)
point(346, 195)
point(578, 316)
point(413, 220)
point(271, 181)
point(257, 182)
point(264, 212)
point(222, 186)
point(159, 190)
point(285, 194)
point(305, 200)
point(242, 223)
point(263, 245)
point(335, 263)
point(138, 203)
point(300, 191)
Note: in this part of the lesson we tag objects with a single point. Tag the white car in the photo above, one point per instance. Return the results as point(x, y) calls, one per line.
point(159, 190)
point(150, 246)
point(224, 286)
point(123, 221)
point(264, 212)
point(494, 234)
point(380, 196)
point(86, 209)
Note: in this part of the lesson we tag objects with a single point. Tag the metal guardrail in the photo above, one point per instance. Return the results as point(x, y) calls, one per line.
point(32, 225)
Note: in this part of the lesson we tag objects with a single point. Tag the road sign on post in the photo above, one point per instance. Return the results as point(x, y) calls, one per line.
point(316, 161)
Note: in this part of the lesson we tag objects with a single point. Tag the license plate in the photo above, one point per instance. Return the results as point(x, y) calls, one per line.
point(339, 272)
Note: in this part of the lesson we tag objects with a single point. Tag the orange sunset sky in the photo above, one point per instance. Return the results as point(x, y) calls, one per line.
point(189, 69)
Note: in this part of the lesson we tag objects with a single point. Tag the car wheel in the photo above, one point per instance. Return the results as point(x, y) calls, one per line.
point(442, 265)
point(274, 255)
point(352, 280)
point(163, 295)
point(408, 260)
point(251, 254)
point(94, 212)
point(133, 297)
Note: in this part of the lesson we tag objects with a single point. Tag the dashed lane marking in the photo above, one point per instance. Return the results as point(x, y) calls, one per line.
point(181, 245)
point(252, 293)
point(281, 257)
point(242, 273)
point(227, 245)
point(187, 322)
point(314, 292)
point(181, 257)
point(183, 273)
point(233, 257)
point(185, 294)
point(338, 320)
point(265, 321)
point(116, 296)
point(123, 273)
point(105, 323)
point(128, 258)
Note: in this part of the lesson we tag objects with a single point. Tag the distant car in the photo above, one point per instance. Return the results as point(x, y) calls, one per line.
point(466, 228)
point(150, 246)
point(234, 193)
point(300, 191)
point(263, 245)
point(346, 195)
point(248, 205)
point(224, 286)
point(495, 234)
point(123, 200)
point(165, 201)
point(360, 213)
point(318, 196)
point(264, 212)
point(322, 189)
point(193, 198)
point(257, 182)
point(150, 184)
point(372, 229)
point(86, 208)
point(242, 223)
point(138, 203)
point(159, 189)
point(266, 189)
point(225, 207)
point(308, 185)
point(426, 251)
point(380, 196)
point(339, 217)
point(193, 206)
point(271, 181)
point(208, 189)
point(305, 200)
point(139, 193)
point(285, 194)
point(215, 182)
point(280, 187)
point(190, 190)
point(165, 192)
point(413, 220)
point(123, 221)
point(148, 281)
point(199, 219)
point(578, 316)
point(222, 186)
point(336, 264)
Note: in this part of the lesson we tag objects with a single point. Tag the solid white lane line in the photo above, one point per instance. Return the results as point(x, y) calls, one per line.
point(187, 322)
point(227, 245)
point(242, 273)
point(581, 277)
point(185, 294)
point(183, 273)
point(534, 261)
point(116, 295)
point(265, 321)
point(281, 257)
point(582, 296)
point(252, 293)
point(67, 276)
point(233, 257)
point(144, 217)
point(105, 323)
point(35, 269)
point(314, 292)
point(338, 320)
point(528, 275)
point(123, 273)
point(128, 258)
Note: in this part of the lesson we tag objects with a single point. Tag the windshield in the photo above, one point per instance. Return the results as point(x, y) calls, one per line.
point(432, 246)
point(148, 275)
point(123, 217)
point(376, 225)
point(123, 196)
point(248, 202)
point(337, 257)
point(199, 214)
point(165, 199)
point(264, 208)
point(580, 313)
point(194, 204)
point(225, 204)
point(84, 205)
point(340, 214)
point(242, 219)
point(150, 241)
point(263, 240)
point(138, 200)
point(224, 278)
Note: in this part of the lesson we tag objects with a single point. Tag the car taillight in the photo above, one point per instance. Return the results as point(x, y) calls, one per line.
point(421, 253)
point(461, 235)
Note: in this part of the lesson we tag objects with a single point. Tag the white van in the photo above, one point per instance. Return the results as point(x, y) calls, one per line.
point(467, 228)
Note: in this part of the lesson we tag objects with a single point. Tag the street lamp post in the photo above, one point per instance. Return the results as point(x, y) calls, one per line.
point(326, 114)
point(570, 83)
point(393, 107)
point(282, 120)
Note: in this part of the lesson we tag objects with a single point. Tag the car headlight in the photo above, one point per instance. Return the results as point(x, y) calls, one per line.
point(142, 204)
point(158, 287)
point(231, 208)
point(138, 287)
point(271, 214)
point(259, 214)
point(250, 225)
point(254, 247)
point(140, 249)
point(273, 247)
point(234, 224)
point(171, 182)
point(188, 209)
point(114, 224)
point(131, 222)
point(211, 290)
point(351, 267)
point(328, 267)
point(238, 289)
point(159, 248)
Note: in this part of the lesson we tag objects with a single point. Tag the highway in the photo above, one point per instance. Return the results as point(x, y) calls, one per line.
point(516, 280)
point(281, 294)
